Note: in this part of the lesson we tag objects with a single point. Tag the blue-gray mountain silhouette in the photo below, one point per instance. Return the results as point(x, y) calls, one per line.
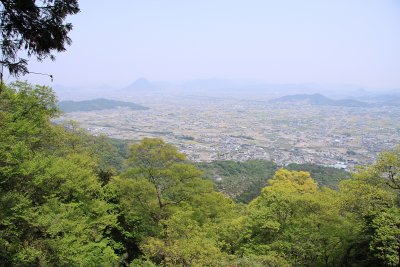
point(319, 100)
point(141, 84)
point(97, 104)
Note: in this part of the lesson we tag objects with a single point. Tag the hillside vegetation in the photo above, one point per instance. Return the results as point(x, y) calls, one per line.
point(64, 202)
point(243, 181)
point(324, 176)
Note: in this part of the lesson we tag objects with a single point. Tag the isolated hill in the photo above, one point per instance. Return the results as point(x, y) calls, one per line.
point(141, 84)
point(319, 100)
point(97, 104)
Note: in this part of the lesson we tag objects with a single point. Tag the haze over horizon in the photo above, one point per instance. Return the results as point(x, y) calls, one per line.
point(282, 42)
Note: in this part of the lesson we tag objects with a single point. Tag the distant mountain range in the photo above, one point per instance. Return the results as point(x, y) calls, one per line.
point(320, 100)
point(239, 89)
point(97, 104)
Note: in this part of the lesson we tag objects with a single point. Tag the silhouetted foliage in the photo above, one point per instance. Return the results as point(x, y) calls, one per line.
point(37, 27)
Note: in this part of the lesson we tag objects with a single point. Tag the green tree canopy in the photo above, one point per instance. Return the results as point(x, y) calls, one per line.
point(53, 208)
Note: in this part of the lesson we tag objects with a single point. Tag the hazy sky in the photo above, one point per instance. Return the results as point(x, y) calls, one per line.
point(280, 41)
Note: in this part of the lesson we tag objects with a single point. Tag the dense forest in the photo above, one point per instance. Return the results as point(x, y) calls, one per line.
point(70, 199)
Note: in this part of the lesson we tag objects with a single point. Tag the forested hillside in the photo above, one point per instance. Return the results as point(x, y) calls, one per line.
point(66, 200)
point(324, 176)
point(243, 181)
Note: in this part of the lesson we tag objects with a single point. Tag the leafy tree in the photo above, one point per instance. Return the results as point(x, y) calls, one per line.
point(385, 242)
point(386, 170)
point(371, 200)
point(185, 244)
point(363, 199)
point(271, 259)
point(294, 218)
point(25, 113)
point(110, 154)
point(324, 176)
point(293, 181)
point(165, 169)
point(53, 207)
point(159, 187)
point(37, 27)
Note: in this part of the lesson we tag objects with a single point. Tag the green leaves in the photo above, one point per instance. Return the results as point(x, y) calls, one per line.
point(53, 211)
point(76, 231)
point(173, 210)
point(385, 242)
point(385, 171)
point(294, 218)
point(185, 243)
